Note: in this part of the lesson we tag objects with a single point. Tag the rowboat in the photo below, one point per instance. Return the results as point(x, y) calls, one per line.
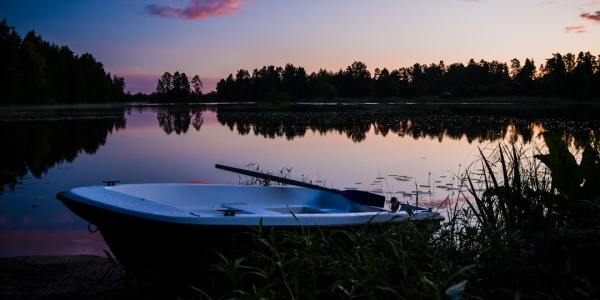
point(214, 205)
point(165, 222)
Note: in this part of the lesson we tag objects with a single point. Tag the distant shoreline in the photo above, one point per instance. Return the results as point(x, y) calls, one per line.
point(508, 100)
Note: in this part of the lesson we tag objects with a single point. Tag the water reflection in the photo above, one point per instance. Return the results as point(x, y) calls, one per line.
point(355, 124)
point(177, 119)
point(51, 150)
point(34, 146)
point(35, 142)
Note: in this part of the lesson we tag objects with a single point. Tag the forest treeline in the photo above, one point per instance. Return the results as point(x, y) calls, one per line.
point(35, 71)
point(178, 87)
point(565, 76)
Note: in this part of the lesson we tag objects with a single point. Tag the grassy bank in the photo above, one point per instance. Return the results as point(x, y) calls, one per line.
point(532, 232)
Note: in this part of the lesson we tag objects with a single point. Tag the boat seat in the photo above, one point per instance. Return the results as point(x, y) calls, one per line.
point(247, 209)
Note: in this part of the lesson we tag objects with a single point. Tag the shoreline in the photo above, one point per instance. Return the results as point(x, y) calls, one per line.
point(500, 100)
point(67, 277)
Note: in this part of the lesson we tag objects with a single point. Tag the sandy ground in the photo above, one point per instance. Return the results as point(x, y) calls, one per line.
point(69, 277)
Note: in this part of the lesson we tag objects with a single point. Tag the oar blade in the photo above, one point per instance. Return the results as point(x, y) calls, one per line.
point(364, 198)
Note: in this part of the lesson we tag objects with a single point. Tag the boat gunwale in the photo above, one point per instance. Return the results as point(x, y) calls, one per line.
point(172, 214)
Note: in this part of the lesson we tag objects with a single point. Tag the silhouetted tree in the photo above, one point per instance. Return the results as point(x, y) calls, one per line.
point(177, 87)
point(181, 85)
point(33, 70)
point(294, 81)
point(571, 76)
point(527, 72)
point(523, 76)
point(515, 67)
point(554, 75)
point(165, 84)
point(321, 85)
point(226, 89)
point(563, 76)
point(197, 86)
point(583, 74)
point(10, 73)
point(385, 83)
point(357, 80)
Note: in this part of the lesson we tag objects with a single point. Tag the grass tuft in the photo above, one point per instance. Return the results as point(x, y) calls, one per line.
point(529, 229)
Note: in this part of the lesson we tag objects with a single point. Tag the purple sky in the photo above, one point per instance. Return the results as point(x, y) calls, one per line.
point(141, 39)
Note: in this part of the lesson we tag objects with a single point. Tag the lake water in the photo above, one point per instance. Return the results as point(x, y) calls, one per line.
point(389, 149)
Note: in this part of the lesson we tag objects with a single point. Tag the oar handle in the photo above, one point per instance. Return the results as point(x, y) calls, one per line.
point(275, 178)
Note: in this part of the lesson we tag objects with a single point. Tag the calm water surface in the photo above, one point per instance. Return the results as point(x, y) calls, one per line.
point(390, 150)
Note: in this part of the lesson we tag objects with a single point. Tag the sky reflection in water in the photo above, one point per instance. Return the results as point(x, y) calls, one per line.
point(390, 151)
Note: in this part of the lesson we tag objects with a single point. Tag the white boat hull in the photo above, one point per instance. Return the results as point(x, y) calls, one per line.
point(196, 204)
point(179, 226)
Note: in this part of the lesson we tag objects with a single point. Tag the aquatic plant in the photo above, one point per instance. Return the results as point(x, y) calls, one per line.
point(531, 230)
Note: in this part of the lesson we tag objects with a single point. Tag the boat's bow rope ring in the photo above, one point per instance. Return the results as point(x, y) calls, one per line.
point(92, 228)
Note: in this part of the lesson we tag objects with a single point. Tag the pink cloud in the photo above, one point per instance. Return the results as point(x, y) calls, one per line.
point(197, 9)
point(595, 17)
point(575, 29)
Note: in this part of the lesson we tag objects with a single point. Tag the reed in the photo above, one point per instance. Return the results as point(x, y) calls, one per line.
point(370, 262)
point(530, 228)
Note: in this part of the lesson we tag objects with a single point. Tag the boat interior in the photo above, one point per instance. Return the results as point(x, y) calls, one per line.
point(240, 199)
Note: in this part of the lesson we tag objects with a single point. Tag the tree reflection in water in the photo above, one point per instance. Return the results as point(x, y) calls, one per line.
point(355, 124)
point(36, 145)
point(177, 119)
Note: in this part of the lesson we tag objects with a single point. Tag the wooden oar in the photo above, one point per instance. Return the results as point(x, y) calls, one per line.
point(360, 197)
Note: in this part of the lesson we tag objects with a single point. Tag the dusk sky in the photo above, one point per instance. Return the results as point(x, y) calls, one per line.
point(141, 39)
